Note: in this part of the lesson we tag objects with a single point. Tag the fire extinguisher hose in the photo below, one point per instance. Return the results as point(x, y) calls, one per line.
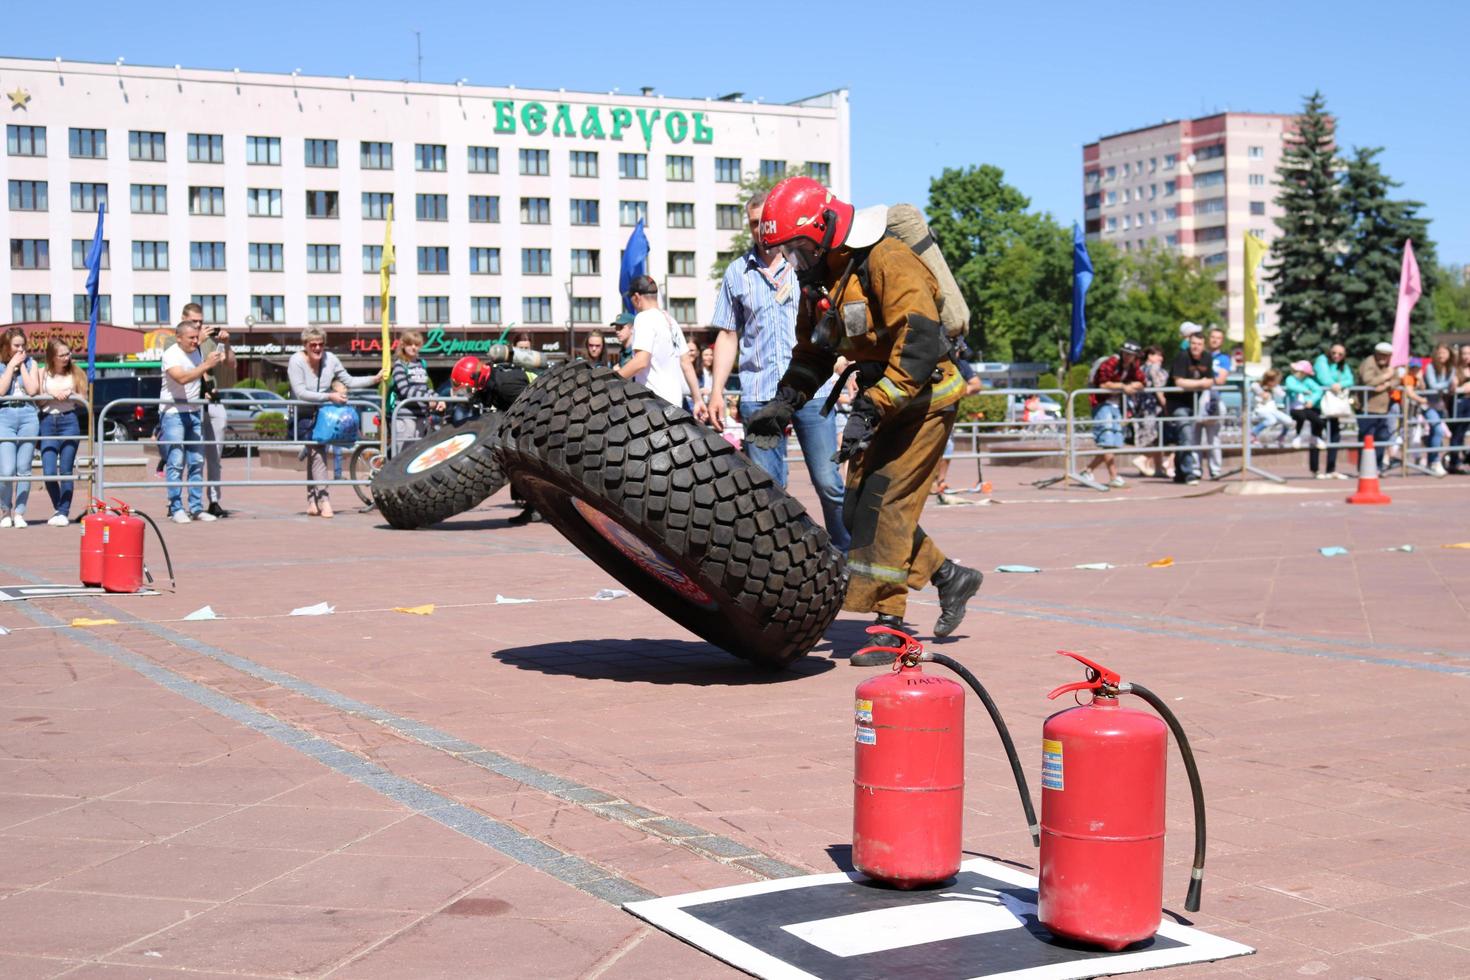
point(1197, 873)
point(1005, 738)
point(168, 562)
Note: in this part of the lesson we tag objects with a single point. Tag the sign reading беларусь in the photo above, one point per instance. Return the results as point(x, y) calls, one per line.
point(677, 126)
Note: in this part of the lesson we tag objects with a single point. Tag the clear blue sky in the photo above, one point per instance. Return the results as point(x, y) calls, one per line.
point(1019, 85)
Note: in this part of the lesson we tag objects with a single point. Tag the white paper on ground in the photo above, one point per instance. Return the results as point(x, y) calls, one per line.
point(203, 612)
point(605, 594)
point(1095, 566)
point(501, 600)
point(320, 609)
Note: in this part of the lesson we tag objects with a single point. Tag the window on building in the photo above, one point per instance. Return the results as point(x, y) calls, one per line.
point(150, 256)
point(32, 195)
point(207, 256)
point(484, 160)
point(1215, 205)
point(1127, 195)
point(267, 257)
point(88, 144)
point(1257, 152)
point(586, 262)
point(263, 151)
point(681, 263)
point(682, 310)
point(729, 217)
point(431, 207)
point(680, 215)
point(146, 146)
point(81, 246)
point(263, 202)
point(324, 309)
point(536, 261)
point(433, 309)
point(586, 309)
point(86, 197)
point(484, 208)
point(1170, 186)
point(1127, 170)
point(268, 309)
point(585, 211)
point(30, 253)
point(209, 200)
point(633, 166)
point(1258, 207)
point(1214, 259)
point(1153, 217)
point(26, 141)
point(321, 153)
point(1092, 201)
point(375, 204)
point(206, 148)
point(1112, 173)
point(372, 259)
point(1212, 152)
point(1215, 178)
point(1112, 224)
point(1261, 234)
point(321, 204)
point(632, 212)
point(680, 168)
point(727, 170)
point(149, 199)
point(212, 306)
point(485, 309)
point(1257, 180)
point(535, 163)
point(1153, 192)
point(372, 309)
point(150, 309)
point(819, 171)
point(30, 307)
point(535, 210)
point(430, 157)
point(484, 261)
point(772, 170)
point(1171, 241)
point(536, 309)
point(1127, 222)
point(324, 258)
point(1216, 234)
point(1153, 164)
point(433, 260)
point(81, 309)
point(584, 163)
point(1171, 214)
point(375, 156)
point(1112, 197)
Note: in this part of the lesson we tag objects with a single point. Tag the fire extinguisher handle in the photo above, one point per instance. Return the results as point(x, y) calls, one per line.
point(1096, 671)
point(910, 649)
point(873, 656)
point(1078, 686)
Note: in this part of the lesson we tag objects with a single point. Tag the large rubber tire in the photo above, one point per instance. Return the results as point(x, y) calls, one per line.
point(673, 512)
point(413, 489)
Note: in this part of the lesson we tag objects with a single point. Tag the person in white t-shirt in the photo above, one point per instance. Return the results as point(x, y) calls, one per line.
point(662, 360)
point(179, 422)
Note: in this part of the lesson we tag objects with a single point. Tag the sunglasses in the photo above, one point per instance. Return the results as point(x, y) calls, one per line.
point(315, 346)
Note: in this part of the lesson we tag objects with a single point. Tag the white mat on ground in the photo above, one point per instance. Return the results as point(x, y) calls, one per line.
point(17, 593)
point(984, 925)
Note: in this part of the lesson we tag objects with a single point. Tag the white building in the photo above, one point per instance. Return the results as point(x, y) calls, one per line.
point(265, 195)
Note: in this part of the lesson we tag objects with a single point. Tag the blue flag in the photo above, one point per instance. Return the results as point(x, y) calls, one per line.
point(94, 273)
point(635, 263)
point(1081, 279)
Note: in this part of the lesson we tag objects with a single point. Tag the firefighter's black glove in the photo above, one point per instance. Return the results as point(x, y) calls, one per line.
point(859, 431)
point(767, 428)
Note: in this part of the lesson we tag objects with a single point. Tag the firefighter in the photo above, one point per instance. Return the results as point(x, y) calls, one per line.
point(493, 387)
point(870, 299)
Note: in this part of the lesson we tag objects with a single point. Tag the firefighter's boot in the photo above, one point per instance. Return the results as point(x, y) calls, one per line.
point(957, 585)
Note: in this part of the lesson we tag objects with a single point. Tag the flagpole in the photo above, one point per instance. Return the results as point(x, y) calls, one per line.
point(386, 366)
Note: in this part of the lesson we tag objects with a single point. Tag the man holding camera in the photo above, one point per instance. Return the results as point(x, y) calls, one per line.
point(213, 338)
point(184, 367)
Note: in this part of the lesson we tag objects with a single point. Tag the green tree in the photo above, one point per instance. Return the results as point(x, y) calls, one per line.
point(1373, 258)
point(1303, 267)
point(1162, 289)
point(1450, 300)
point(740, 242)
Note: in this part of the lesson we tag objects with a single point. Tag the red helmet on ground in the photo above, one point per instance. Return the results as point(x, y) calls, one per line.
point(799, 210)
point(469, 373)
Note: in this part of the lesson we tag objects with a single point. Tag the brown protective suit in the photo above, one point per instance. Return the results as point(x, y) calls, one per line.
point(892, 325)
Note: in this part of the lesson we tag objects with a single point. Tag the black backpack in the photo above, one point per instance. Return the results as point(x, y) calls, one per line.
point(506, 384)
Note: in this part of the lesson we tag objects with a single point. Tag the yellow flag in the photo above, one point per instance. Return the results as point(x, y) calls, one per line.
point(388, 259)
point(1255, 250)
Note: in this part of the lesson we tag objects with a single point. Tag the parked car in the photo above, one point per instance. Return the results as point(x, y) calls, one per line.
point(125, 422)
point(241, 407)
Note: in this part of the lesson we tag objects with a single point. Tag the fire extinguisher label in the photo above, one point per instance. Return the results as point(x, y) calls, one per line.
point(1051, 763)
point(105, 534)
point(866, 736)
point(864, 711)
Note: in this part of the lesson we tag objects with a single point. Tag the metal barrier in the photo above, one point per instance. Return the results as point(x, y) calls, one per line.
point(81, 438)
point(431, 400)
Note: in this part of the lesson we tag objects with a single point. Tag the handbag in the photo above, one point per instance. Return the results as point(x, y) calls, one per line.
point(335, 425)
point(1335, 406)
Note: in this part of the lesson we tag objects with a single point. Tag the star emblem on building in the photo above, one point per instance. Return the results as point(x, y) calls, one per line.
point(19, 98)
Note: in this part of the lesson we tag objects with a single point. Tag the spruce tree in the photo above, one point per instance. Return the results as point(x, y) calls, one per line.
point(1374, 255)
point(1304, 266)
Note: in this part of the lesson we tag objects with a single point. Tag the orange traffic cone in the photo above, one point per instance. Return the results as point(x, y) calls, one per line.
point(1368, 492)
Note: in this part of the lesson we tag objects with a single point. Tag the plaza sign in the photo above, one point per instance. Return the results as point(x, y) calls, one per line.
point(531, 117)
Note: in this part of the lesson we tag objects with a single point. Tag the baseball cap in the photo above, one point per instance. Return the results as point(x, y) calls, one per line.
point(1129, 347)
point(1303, 366)
point(1189, 329)
point(644, 285)
point(1383, 347)
point(621, 319)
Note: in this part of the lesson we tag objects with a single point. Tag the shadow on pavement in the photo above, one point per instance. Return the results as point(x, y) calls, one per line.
point(655, 662)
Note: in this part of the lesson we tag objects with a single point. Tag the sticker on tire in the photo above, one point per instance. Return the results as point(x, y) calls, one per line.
point(446, 450)
point(640, 554)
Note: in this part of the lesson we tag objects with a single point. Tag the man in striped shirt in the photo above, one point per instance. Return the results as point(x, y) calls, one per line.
point(755, 311)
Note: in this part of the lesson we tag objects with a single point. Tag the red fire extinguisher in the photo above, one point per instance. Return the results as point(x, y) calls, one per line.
point(93, 524)
point(1102, 814)
point(909, 768)
point(123, 569)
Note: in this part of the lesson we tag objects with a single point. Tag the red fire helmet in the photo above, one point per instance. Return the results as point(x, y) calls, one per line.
point(801, 208)
point(469, 373)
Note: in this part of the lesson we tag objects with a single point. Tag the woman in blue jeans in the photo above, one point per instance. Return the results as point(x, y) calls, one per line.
point(19, 425)
point(60, 427)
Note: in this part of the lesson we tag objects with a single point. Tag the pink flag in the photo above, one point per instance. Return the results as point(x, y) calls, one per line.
point(1410, 290)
